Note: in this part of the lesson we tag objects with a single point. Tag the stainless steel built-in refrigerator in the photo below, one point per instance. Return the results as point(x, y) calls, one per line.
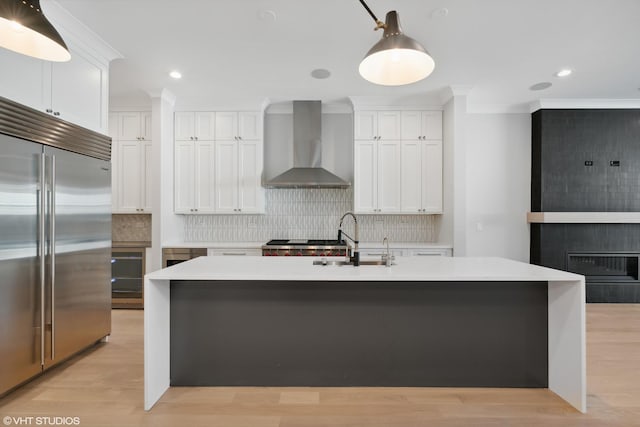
point(55, 241)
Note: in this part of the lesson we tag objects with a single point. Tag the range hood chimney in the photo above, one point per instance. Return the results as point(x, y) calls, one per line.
point(307, 171)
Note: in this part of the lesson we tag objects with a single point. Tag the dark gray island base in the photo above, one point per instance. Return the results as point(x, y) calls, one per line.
point(359, 333)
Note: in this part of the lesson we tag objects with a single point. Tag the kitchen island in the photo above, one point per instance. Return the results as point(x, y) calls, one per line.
point(460, 322)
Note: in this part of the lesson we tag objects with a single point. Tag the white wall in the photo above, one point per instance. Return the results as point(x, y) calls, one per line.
point(498, 185)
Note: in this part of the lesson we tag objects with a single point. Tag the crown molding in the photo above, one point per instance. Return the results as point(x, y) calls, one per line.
point(78, 34)
point(595, 103)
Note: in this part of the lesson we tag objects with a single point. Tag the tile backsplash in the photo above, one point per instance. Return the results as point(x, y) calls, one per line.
point(308, 214)
point(131, 227)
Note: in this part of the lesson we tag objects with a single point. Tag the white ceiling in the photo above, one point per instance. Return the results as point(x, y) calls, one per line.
point(498, 47)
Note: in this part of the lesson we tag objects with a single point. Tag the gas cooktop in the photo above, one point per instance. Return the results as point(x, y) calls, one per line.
point(301, 242)
point(300, 247)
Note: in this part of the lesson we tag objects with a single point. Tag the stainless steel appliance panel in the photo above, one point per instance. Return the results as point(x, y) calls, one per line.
point(20, 308)
point(80, 224)
point(173, 256)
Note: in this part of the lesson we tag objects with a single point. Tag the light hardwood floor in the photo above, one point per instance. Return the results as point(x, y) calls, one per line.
point(103, 387)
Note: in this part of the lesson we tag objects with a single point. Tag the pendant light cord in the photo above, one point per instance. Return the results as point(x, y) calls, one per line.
point(379, 24)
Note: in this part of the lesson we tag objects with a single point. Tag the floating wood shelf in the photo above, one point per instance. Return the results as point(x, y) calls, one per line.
point(584, 217)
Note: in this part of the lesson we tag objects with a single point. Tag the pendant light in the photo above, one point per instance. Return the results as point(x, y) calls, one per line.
point(25, 29)
point(396, 59)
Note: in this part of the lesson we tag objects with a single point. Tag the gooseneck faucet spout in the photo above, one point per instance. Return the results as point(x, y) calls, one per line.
point(355, 239)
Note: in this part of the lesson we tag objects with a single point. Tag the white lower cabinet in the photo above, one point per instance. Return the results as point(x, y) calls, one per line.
point(404, 252)
point(235, 252)
point(429, 252)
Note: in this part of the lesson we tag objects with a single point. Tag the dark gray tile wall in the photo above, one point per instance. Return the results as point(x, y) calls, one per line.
point(563, 140)
point(564, 143)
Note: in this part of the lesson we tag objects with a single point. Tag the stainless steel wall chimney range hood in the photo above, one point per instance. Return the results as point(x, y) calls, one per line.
point(307, 171)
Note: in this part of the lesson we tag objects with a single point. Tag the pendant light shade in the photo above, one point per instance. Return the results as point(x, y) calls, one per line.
point(396, 59)
point(25, 29)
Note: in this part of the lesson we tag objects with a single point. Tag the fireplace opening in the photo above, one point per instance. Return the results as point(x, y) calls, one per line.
point(605, 267)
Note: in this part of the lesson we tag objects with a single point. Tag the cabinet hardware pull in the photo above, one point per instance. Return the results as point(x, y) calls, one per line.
point(49, 110)
point(56, 113)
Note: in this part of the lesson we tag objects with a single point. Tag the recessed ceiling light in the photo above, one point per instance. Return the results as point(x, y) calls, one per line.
point(564, 72)
point(442, 12)
point(267, 15)
point(175, 74)
point(320, 73)
point(540, 86)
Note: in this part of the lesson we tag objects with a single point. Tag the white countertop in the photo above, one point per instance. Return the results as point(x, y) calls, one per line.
point(406, 269)
point(214, 245)
point(254, 245)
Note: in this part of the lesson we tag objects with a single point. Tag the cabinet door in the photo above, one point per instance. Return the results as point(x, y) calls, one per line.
point(389, 124)
point(366, 125)
point(250, 126)
point(411, 180)
point(130, 176)
point(226, 125)
point(389, 176)
point(145, 126)
point(129, 126)
point(76, 92)
point(226, 176)
point(365, 197)
point(205, 126)
point(250, 194)
point(432, 176)
point(147, 179)
point(184, 126)
point(411, 127)
point(432, 124)
point(205, 177)
point(184, 175)
point(22, 79)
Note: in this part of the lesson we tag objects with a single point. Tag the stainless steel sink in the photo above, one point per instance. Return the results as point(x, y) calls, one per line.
point(340, 263)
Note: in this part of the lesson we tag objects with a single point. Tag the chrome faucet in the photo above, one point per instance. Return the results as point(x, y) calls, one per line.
point(355, 259)
point(387, 258)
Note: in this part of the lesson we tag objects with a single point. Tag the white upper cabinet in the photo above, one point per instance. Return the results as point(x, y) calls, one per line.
point(238, 167)
point(134, 126)
point(195, 126)
point(238, 125)
point(184, 177)
point(365, 176)
point(398, 162)
point(421, 177)
point(377, 177)
point(377, 125)
point(421, 125)
point(75, 91)
point(131, 154)
point(432, 176)
point(250, 192)
point(224, 173)
point(22, 79)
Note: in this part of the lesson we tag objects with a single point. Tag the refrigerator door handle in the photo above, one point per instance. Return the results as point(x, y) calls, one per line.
point(42, 194)
point(52, 249)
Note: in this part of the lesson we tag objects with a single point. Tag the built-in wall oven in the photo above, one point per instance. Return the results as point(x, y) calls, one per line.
point(172, 256)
